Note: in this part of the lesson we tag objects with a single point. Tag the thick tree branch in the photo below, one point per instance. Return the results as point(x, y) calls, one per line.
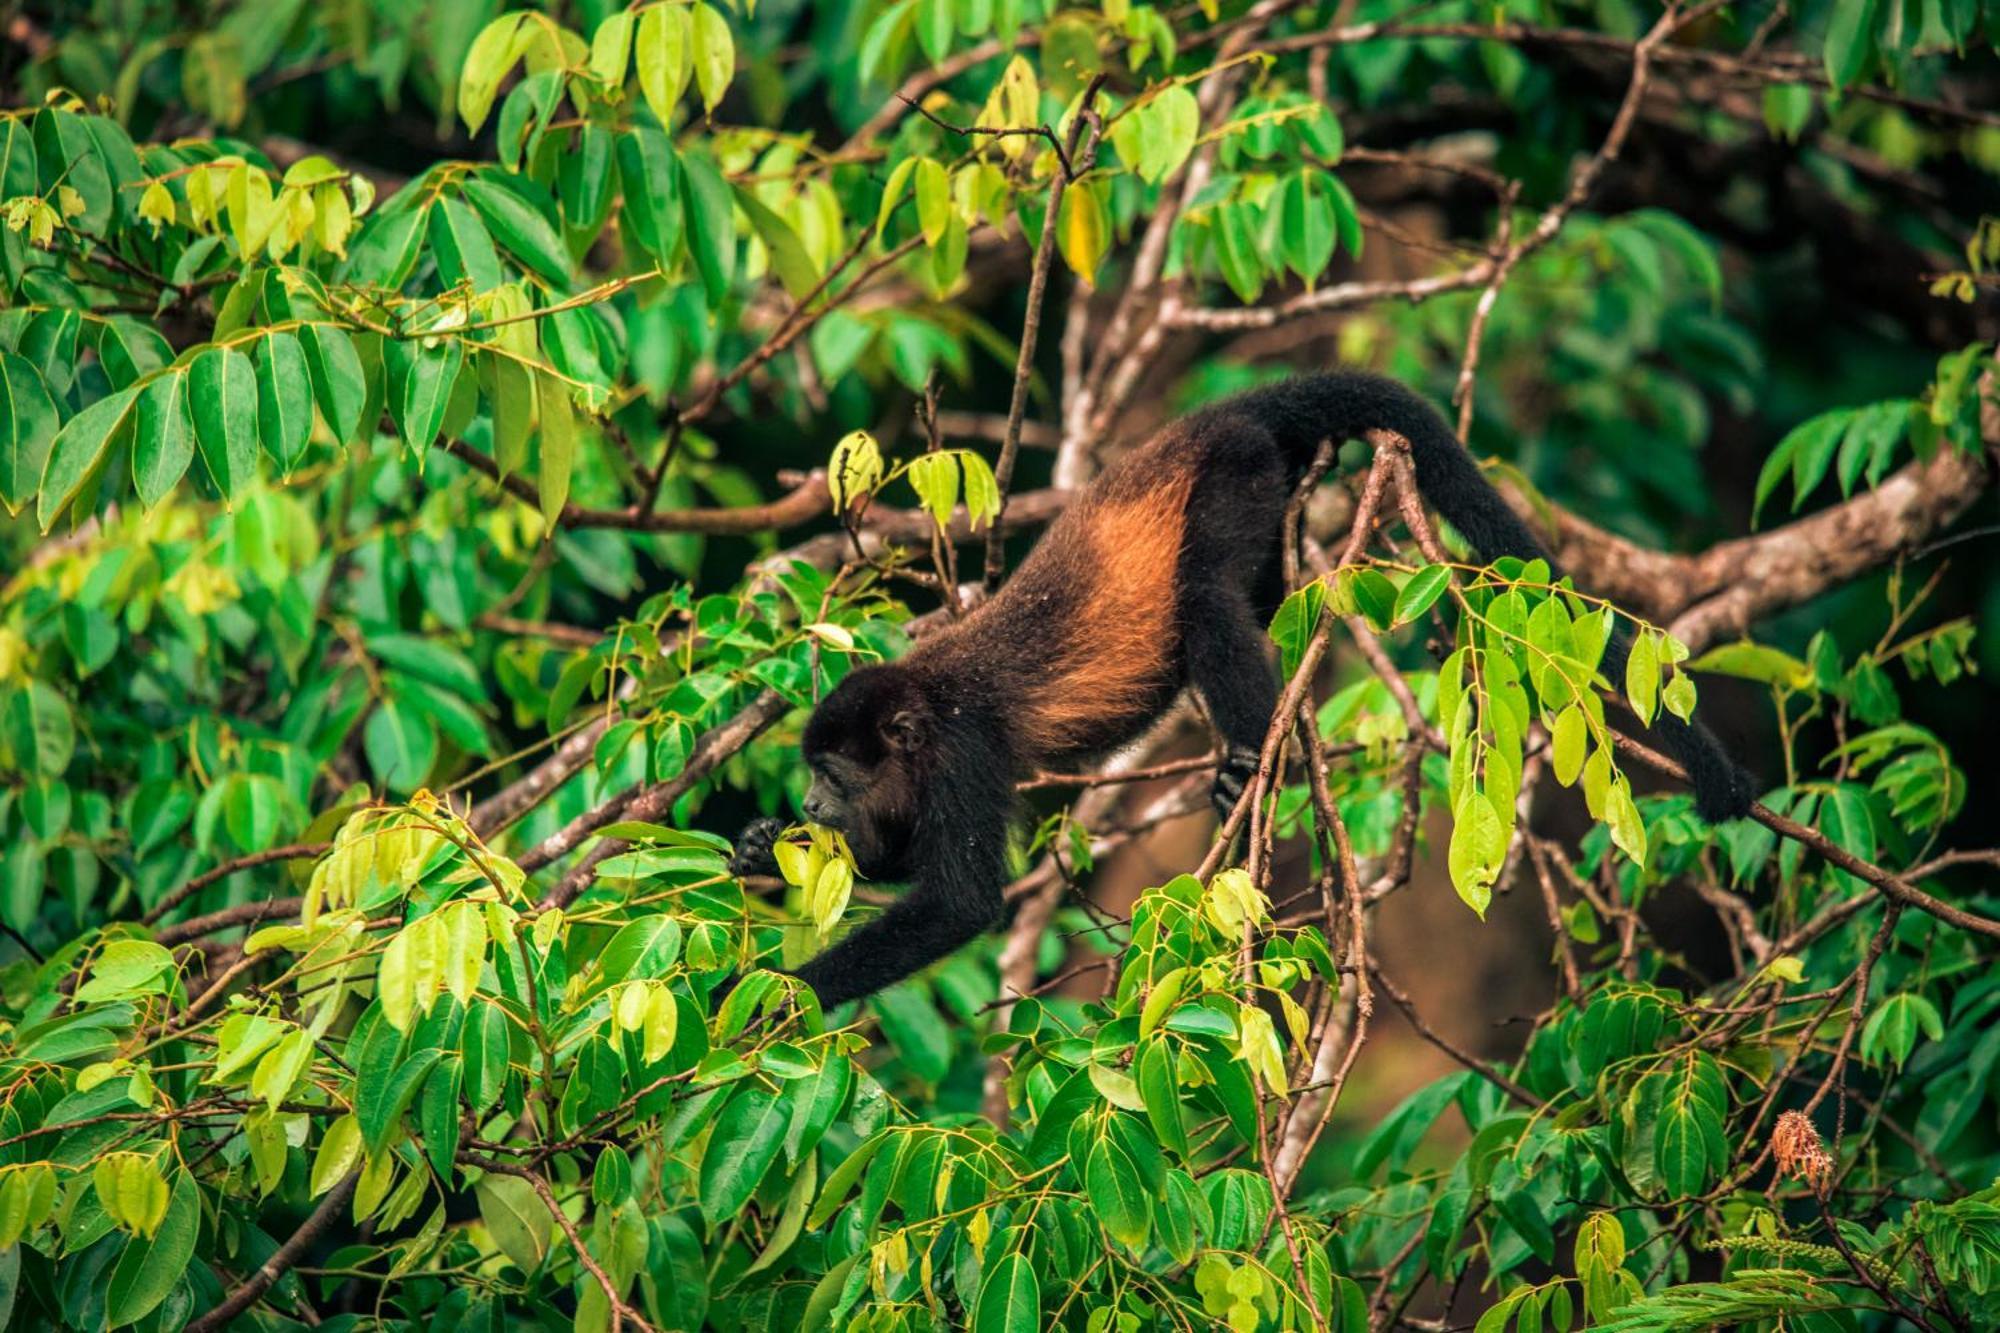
point(282, 1260)
point(1722, 591)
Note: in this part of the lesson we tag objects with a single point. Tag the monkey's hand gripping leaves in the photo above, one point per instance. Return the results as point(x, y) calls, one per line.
point(754, 854)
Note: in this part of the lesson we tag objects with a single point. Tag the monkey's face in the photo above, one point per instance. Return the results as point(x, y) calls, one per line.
point(865, 746)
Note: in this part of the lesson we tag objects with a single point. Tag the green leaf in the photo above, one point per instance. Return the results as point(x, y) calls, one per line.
point(1010, 1298)
point(1236, 251)
point(651, 172)
point(438, 1114)
point(79, 451)
point(513, 409)
point(611, 47)
point(912, 1026)
point(1568, 739)
point(794, 267)
point(421, 380)
point(1116, 1195)
point(1687, 1144)
point(1755, 661)
point(222, 396)
point(1806, 452)
point(640, 950)
point(401, 744)
point(491, 56)
point(934, 477)
point(1891, 1031)
point(741, 1148)
point(339, 384)
point(1478, 847)
point(128, 350)
point(819, 1099)
point(68, 155)
point(1850, 40)
point(516, 1218)
point(558, 452)
point(1172, 122)
point(892, 193)
point(379, 1105)
point(485, 1044)
point(284, 399)
point(148, 1270)
point(1159, 1088)
point(842, 1179)
point(124, 969)
point(163, 438)
point(1423, 589)
point(339, 1153)
point(18, 174)
point(711, 233)
point(28, 422)
point(1621, 817)
point(1306, 225)
point(937, 22)
point(462, 247)
point(519, 226)
point(1295, 624)
point(1165, 994)
point(1787, 108)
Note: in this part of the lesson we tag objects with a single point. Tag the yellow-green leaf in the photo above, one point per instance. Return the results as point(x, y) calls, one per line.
point(558, 454)
point(1568, 739)
point(661, 47)
point(714, 55)
point(933, 199)
point(1084, 229)
point(1642, 676)
point(338, 1151)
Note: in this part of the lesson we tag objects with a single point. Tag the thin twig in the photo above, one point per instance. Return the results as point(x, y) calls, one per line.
point(1084, 131)
point(297, 851)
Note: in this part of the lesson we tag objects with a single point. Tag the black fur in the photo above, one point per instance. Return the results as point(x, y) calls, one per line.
point(1081, 651)
point(935, 812)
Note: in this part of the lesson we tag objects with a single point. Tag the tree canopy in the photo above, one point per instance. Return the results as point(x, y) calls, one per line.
point(445, 449)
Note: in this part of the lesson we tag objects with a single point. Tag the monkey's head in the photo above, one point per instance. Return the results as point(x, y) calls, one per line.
point(866, 745)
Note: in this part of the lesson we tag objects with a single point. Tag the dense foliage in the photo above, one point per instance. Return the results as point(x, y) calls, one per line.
point(396, 409)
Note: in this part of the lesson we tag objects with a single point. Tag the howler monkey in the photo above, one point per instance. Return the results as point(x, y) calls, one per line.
point(1162, 574)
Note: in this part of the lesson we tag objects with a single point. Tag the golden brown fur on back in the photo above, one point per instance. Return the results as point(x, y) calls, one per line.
point(1124, 658)
point(1107, 567)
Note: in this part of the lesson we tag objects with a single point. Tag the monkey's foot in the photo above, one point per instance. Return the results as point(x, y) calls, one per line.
point(1232, 779)
point(753, 847)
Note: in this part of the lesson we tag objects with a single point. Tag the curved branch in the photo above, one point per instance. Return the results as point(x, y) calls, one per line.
point(298, 851)
point(808, 500)
point(1721, 591)
point(282, 1260)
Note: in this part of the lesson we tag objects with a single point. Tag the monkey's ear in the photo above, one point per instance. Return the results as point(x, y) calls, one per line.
point(906, 729)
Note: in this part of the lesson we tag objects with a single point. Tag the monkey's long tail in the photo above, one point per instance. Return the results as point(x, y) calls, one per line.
point(1344, 405)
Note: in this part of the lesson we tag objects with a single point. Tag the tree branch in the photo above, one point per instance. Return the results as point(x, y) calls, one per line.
point(282, 1260)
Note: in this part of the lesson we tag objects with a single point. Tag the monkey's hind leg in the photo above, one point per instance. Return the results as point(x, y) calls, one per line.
point(1226, 663)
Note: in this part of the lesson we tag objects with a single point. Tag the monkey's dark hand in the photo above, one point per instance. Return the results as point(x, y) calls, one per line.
point(753, 847)
point(1232, 779)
